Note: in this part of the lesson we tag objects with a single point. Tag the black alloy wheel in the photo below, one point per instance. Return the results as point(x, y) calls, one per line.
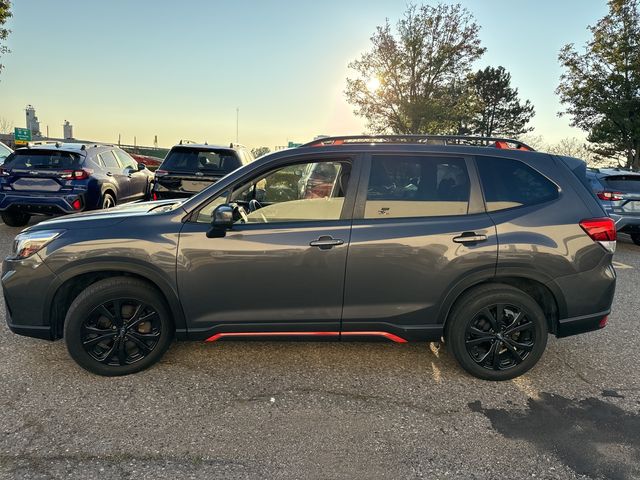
point(118, 326)
point(121, 332)
point(500, 337)
point(496, 332)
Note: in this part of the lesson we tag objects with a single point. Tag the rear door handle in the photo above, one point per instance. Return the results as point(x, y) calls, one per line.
point(325, 242)
point(469, 237)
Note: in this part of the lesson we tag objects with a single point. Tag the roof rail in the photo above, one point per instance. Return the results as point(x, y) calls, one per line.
point(43, 142)
point(187, 142)
point(463, 140)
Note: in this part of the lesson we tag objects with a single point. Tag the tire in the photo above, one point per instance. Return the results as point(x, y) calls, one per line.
point(115, 342)
point(148, 195)
point(635, 238)
point(15, 219)
point(517, 352)
point(108, 201)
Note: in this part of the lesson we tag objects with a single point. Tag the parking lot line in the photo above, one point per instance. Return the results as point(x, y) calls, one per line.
point(621, 266)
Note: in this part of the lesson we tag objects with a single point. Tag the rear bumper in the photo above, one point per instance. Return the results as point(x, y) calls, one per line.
point(47, 204)
point(586, 323)
point(163, 194)
point(626, 223)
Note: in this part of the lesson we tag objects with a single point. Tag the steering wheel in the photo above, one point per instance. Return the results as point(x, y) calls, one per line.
point(254, 205)
point(239, 213)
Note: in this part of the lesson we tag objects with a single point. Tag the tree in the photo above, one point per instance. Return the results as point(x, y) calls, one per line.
point(411, 82)
point(6, 125)
point(601, 87)
point(498, 110)
point(260, 151)
point(574, 147)
point(5, 14)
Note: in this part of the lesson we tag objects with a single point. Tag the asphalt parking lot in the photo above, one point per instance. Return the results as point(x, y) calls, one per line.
point(248, 409)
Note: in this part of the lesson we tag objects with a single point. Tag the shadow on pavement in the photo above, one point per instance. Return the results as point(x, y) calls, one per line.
point(593, 437)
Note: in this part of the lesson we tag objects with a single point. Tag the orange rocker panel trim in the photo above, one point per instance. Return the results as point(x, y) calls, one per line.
point(387, 335)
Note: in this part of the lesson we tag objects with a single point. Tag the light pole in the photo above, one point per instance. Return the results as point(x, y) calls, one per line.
point(237, 123)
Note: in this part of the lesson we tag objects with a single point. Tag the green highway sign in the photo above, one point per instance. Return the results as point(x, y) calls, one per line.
point(21, 136)
point(293, 145)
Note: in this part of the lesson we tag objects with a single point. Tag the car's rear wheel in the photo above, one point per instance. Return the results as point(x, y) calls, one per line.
point(497, 332)
point(118, 326)
point(15, 219)
point(108, 201)
point(635, 238)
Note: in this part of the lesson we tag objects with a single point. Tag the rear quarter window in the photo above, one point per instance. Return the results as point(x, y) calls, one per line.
point(509, 183)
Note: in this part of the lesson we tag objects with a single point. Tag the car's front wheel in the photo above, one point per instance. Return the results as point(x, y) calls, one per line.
point(118, 326)
point(15, 219)
point(635, 238)
point(496, 332)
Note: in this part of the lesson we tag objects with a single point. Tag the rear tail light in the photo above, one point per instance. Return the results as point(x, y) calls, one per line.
point(161, 173)
point(603, 321)
point(601, 230)
point(610, 196)
point(155, 196)
point(76, 174)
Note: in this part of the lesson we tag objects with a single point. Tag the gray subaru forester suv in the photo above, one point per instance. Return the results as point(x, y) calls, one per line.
point(480, 241)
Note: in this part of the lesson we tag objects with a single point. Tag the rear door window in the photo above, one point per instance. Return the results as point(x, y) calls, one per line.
point(416, 186)
point(109, 160)
point(43, 160)
point(214, 162)
point(509, 183)
point(125, 159)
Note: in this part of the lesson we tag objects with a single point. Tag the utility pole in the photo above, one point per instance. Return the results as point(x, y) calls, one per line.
point(118, 139)
point(237, 122)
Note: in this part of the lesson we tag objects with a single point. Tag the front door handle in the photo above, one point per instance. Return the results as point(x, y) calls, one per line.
point(325, 242)
point(469, 237)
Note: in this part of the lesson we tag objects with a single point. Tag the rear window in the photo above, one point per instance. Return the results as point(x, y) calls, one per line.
point(509, 183)
point(624, 183)
point(43, 160)
point(205, 161)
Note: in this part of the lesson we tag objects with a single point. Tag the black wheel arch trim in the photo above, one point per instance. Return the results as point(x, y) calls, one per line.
point(136, 269)
point(503, 275)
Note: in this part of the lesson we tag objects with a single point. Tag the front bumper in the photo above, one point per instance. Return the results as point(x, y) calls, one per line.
point(46, 203)
point(25, 284)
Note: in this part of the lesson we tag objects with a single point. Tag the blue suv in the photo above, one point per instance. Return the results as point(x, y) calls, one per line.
point(53, 179)
point(619, 193)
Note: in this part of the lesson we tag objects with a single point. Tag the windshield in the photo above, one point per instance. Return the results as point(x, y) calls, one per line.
point(623, 183)
point(215, 162)
point(43, 159)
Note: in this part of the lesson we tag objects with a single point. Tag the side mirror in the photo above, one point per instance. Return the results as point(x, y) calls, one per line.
point(221, 221)
point(141, 166)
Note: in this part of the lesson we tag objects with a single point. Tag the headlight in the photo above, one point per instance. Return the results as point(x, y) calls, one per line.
point(28, 243)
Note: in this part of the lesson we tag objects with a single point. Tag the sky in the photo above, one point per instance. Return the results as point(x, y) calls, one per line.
point(180, 69)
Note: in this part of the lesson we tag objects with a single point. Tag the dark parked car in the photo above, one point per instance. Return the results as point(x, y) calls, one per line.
point(619, 193)
point(189, 168)
point(417, 238)
point(53, 179)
